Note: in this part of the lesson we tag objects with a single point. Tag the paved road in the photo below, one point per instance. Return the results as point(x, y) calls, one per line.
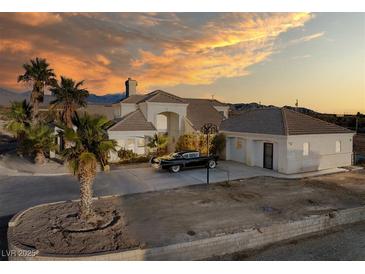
point(20, 192)
point(343, 244)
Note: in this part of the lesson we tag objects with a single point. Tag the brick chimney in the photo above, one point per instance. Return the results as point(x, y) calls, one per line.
point(130, 87)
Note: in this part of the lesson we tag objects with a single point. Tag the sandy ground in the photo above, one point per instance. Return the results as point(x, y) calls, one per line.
point(195, 212)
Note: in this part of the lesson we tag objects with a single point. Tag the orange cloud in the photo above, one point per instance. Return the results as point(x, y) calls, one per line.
point(14, 45)
point(158, 50)
point(36, 18)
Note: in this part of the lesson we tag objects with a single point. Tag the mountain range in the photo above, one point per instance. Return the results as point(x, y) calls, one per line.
point(7, 96)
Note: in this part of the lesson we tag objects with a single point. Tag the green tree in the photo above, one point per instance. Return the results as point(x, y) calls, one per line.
point(19, 117)
point(69, 96)
point(39, 140)
point(90, 144)
point(158, 143)
point(39, 75)
point(218, 144)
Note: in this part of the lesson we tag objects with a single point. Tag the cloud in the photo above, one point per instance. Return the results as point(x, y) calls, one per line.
point(158, 49)
point(36, 19)
point(307, 38)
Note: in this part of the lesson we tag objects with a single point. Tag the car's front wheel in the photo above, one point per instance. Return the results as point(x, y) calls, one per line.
point(175, 169)
point(212, 164)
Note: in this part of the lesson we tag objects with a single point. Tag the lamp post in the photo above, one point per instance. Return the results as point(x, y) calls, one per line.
point(207, 129)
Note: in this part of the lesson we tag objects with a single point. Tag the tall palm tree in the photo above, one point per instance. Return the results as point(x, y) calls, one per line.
point(90, 145)
point(69, 96)
point(39, 75)
point(19, 119)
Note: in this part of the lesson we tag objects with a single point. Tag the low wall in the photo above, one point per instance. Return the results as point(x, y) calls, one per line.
point(205, 248)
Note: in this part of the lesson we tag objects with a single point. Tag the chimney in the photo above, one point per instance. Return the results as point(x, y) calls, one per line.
point(130, 87)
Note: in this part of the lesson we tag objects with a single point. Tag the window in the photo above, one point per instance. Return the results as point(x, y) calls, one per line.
point(305, 149)
point(140, 142)
point(338, 146)
point(130, 144)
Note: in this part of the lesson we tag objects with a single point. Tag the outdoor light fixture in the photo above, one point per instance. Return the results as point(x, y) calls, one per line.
point(207, 129)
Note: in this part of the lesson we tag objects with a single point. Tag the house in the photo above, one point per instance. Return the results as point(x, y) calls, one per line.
point(286, 141)
point(139, 116)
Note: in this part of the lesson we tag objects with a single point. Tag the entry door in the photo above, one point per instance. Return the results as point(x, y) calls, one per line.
point(268, 155)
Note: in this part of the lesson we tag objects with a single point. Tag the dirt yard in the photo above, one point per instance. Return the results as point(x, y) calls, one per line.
point(190, 213)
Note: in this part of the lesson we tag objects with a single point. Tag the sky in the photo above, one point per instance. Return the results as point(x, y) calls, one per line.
point(272, 58)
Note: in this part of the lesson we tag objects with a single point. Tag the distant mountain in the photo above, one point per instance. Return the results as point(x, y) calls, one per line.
point(237, 108)
point(7, 96)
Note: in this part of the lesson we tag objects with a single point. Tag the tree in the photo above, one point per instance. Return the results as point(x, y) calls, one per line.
point(90, 144)
point(159, 143)
point(39, 139)
point(19, 119)
point(218, 144)
point(69, 96)
point(39, 75)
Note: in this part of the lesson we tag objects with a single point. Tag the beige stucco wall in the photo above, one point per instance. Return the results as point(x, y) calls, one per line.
point(122, 138)
point(224, 109)
point(322, 152)
point(126, 108)
point(288, 155)
point(247, 148)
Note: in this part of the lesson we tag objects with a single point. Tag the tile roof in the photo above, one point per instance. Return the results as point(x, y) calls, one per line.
point(201, 111)
point(133, 121)
point(157, 96)
point(279, 121)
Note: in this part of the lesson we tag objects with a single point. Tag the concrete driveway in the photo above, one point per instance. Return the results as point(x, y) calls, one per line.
point(20, 192)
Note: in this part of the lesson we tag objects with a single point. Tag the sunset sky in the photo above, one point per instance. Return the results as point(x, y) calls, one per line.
point(274, 58)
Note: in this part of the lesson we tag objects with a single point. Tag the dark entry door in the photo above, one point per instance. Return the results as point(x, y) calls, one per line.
point(268, 155)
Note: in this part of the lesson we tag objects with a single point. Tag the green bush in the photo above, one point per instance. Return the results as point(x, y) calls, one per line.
point(126, 154)
point(218, 144)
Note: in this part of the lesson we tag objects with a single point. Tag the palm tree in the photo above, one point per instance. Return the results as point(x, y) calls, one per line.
point(159, 143)
point(90, 144)
point(39, 139)
point(39, 75)
point(19, 119)
point(69, 96)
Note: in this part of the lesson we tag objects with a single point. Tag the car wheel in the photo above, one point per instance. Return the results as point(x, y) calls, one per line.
point(175, 169)
point(212, 164)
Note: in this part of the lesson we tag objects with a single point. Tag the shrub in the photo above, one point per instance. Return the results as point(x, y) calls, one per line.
point(218, 144)
point(126, 154)
point(195, 141)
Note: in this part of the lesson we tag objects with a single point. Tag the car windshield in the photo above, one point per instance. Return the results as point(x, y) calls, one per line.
point(175, 155)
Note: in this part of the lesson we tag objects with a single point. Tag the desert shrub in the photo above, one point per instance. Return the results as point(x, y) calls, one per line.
point(136, 159)
point(158, 144)
point(195, 141)
point(126, 154)
point(218, 144)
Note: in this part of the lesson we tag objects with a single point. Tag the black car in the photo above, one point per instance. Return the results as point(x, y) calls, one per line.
point(185, 159)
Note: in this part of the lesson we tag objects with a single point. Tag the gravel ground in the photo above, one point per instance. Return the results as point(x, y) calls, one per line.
point(346, 243)
point(192, 213)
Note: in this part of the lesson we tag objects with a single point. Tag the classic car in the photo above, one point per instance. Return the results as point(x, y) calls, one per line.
point(184, 159)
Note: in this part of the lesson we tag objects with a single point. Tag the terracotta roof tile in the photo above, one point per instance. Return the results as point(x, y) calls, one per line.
point(278, 121)
point(133, 121)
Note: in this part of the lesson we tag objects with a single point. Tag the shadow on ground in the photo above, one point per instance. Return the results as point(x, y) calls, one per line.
point(3, 236)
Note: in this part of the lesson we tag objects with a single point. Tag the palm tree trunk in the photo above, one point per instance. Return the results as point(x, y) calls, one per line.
point(35, 105)
point(86, 194)
point(39, 158)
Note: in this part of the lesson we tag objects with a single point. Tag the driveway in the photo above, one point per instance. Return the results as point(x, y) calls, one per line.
point(20, 192)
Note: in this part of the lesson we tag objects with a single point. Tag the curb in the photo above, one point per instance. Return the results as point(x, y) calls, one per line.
point(251, 238)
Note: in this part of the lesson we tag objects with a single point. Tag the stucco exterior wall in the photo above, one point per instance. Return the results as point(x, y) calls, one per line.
point(127, 108)
point(223, 109)
point(322, 152)
point(247, 148)
point(129, 140)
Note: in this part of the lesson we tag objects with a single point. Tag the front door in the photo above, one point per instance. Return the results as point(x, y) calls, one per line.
point(268, 155)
